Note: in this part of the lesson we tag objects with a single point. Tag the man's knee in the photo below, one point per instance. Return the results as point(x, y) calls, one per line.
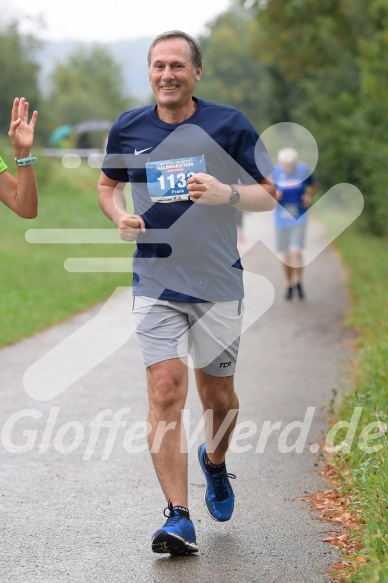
point(165, 397)
point(218, 394)
point(166, 388)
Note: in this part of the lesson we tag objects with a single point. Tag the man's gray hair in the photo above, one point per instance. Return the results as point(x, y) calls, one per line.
point(288, 155)
point(196, 51)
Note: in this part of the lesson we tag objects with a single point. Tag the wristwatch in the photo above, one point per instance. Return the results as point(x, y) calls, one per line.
point(235, 196)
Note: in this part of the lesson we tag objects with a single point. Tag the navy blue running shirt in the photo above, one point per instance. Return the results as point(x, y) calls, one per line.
point(189, 252)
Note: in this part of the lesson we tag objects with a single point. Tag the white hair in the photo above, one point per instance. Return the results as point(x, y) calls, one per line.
point(288, 155)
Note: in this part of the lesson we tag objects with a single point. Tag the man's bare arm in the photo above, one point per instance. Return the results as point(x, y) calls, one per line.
point(206, 189)
point(112, 202)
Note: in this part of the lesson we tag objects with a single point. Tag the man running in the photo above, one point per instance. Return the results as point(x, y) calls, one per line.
point(295, 187)
point(184, 158)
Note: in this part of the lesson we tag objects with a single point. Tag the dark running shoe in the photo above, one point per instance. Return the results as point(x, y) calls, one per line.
point(299, 291)
point(176, 537)
point(288, 294)
point(219, 497)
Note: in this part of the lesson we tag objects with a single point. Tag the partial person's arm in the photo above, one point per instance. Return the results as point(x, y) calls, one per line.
point(112, 202)
point(206, 189)
point(21, 195)
point(309, 193)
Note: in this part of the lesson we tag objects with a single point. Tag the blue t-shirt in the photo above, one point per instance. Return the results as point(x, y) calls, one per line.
point(189, 252)
point(293, 186)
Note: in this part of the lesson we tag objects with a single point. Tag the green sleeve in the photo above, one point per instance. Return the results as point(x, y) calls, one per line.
point(3, 165)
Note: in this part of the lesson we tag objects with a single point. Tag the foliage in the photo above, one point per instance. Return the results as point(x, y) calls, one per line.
point(88, 85)
point(231, 75)
point(333, 53)
point(19, 70)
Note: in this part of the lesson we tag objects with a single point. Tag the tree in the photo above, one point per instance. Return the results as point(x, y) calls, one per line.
point(334, 52)
point(372, 49)
point(19, 70)
point(231, 75)
point(89, 84)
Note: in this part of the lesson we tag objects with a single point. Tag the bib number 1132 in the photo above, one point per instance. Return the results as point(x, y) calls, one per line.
point(167, 179)
point(174, 180)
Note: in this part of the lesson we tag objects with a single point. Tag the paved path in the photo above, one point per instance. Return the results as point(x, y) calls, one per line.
point(66, 518)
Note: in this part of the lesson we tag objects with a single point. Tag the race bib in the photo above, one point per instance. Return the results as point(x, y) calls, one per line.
point(167, 179)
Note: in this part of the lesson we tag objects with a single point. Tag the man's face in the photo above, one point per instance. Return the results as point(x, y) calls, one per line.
point(288, 166)
point(171, 73)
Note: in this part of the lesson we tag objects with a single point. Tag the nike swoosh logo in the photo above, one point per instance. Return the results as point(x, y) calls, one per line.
point(137, 152)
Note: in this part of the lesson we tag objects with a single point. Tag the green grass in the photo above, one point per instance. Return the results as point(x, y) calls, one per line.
point(366, 259)
point(35, 289)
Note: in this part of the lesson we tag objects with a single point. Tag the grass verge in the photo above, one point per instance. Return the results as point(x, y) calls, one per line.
point(35, 289)
point(362, 472)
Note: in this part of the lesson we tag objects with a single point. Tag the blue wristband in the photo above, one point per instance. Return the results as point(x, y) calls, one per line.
point(26, 161)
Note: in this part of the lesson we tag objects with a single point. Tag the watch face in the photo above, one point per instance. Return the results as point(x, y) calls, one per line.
point(235, 197)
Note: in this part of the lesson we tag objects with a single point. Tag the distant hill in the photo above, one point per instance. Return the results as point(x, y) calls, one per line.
point(131, 55)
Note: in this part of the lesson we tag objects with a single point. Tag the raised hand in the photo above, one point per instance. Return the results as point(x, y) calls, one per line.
point(21, 133)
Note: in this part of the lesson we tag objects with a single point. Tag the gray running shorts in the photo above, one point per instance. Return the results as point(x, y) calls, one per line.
point(208, 332)
point(288, 238)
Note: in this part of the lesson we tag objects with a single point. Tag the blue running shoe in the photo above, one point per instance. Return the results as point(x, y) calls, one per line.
point(219, 497)
point(176, 537)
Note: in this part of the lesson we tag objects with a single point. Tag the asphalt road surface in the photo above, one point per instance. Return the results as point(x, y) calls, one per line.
point(79, 503)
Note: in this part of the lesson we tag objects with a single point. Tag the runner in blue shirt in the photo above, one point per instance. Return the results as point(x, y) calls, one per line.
point(184, 158)
point(295, 187)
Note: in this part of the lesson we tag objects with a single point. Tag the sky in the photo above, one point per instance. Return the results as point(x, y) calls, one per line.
point(110, 20)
